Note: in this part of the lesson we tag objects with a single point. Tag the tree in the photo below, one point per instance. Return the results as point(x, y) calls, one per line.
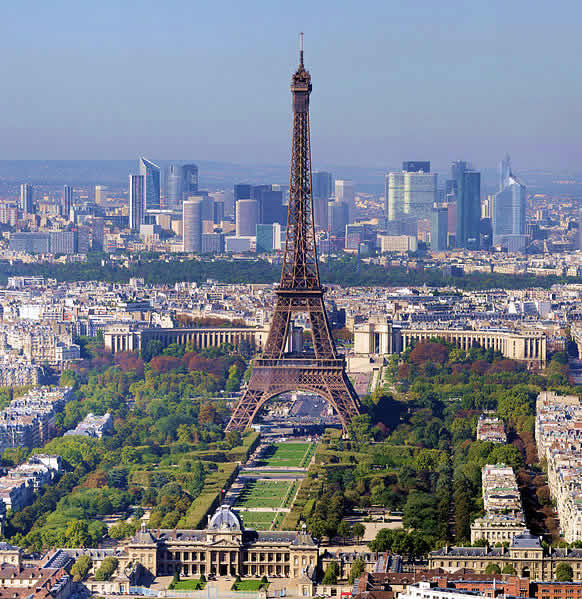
point(358, 567)
point(81, 567)
point(492, 569)
point(358, 530)
point(508, 569)
point(233, 439)
point(152, 348)
point(77, 534)
point(359, 429)
point(331, 573)
point(564, 573)
point(107, 568)
point(175, 579)
point(344, 530)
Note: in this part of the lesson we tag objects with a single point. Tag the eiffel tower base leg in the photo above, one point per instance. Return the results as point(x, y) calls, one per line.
point(271, 377)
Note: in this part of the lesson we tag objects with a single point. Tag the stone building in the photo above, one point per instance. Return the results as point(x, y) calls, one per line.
point(525, 554)
point(224, 548)
point(529, 346)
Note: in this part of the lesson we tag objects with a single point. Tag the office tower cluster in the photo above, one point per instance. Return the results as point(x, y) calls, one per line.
point(154, 207)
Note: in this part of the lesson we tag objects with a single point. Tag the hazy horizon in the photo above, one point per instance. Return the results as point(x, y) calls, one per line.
point(391, 81)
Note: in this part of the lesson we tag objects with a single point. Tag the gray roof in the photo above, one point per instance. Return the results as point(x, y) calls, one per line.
point(8, 547)
point(526, 541)
point(224, 519)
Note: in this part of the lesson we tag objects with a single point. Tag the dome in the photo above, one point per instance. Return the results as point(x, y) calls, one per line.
point(224, 519)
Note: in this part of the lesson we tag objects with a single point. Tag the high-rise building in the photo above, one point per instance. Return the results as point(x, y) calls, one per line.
point(206, 205)
point(344, 193)
point(468, 207)
point(416, 166)
point(136, 201)
point(410, 194)
point(242, 191)
point(173, 185)
point(100, 194)
point(151, 174)
point(246, 218)
point(322, 185)
point(394, 196)
point(268, 238)
point(269, 205)
point(26, 198)
point(67, 202)
point(338, 218)
point(504, 172)
point(213, 243)
point(218, 210)
point(190, 180)
point(420, 193)
point(97, 232)
point(192, 224)
point(509, 207)
point(439, 228)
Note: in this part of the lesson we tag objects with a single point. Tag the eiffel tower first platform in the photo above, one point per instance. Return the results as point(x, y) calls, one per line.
point(319, 369)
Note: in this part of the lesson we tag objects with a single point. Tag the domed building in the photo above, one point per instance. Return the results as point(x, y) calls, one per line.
point(225, 548)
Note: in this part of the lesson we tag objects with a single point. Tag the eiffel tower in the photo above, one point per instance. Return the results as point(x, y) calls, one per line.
point(319, 369)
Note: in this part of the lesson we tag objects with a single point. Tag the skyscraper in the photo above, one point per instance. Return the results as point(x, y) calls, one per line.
point(322, 184)
point(242, 191)
point(338, 214)
point(344, 193)
point(394, 196)
point(269, 205)
point(136, 201)
point(190, 180)
point(67, 201)
point(268, 238)
point(26, 198)
point(468, 206)
point(246, 218)
point(173, 185)
point(504, 172)
point(192, 225)
point(509, 207)
point(151, 174)
point(100, 193)
point(410, 194)
point(420, 193)
point(439, 229)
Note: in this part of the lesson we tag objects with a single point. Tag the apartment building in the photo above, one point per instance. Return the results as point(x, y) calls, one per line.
point(504, 518)
point(559, 441)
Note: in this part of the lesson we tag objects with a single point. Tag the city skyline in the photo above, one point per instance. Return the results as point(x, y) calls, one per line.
point(427, 52)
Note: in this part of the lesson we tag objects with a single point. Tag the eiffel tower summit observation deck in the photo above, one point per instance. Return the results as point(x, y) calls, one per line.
point(318, 368)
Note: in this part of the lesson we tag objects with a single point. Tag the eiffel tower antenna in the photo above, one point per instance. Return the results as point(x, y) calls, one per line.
point(280, 369)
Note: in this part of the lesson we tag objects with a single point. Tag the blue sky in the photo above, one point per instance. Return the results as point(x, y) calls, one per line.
point(438, 80)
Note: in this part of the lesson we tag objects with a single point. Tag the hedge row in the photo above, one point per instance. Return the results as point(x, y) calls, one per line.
point(211, 496)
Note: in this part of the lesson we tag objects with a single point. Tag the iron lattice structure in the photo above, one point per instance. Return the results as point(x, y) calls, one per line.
point(320, 370)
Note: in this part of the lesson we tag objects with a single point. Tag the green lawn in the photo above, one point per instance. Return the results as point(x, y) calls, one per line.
point(249, 585)
point(191, 584)
point(290, 455)
point(257, 520)
point(264, 493)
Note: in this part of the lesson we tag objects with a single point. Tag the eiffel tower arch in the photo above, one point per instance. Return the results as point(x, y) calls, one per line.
point(319, 369)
